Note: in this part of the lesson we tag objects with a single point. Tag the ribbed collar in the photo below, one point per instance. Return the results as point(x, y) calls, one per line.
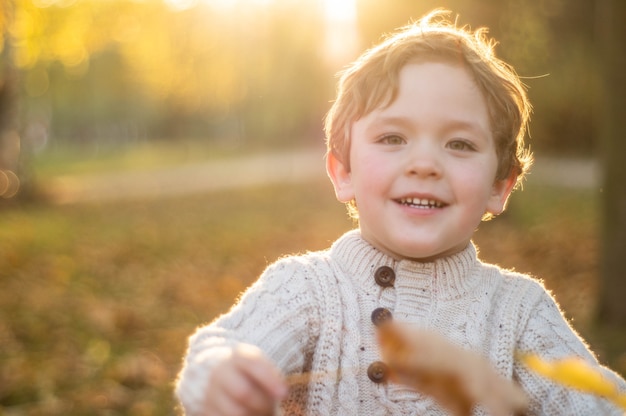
point(446, 278)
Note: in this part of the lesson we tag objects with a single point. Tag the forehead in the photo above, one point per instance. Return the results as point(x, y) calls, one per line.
point(435, 92)
point(438, 80)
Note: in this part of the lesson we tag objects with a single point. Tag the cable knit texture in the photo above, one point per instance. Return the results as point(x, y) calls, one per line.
point(311, 315)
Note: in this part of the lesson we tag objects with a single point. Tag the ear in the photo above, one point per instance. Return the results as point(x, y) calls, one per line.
point(340, 177)
point(500, 194)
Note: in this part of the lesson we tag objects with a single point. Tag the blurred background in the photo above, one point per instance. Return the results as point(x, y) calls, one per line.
point(155, 155)
point(96, 76)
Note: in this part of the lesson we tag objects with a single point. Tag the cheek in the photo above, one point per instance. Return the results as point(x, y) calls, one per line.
point(476, 184)
point(363, 165)
point(372, 174)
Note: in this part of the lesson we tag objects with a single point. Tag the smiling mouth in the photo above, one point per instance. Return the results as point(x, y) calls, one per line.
point(421, 203)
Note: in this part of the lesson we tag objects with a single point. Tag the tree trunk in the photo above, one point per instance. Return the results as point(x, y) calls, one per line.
point(611, 41)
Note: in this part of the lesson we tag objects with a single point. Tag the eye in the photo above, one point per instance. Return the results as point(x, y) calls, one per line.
point(393, 139)
point(461, 145)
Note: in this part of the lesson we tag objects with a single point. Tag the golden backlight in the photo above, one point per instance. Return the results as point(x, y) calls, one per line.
point(341, 30)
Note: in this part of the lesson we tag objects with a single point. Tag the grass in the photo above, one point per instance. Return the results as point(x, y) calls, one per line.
point(97, 300)
point(91, 158)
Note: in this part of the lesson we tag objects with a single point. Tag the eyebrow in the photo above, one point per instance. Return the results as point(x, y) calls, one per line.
point(391, 121)
point(450, 125)
point(470, 126)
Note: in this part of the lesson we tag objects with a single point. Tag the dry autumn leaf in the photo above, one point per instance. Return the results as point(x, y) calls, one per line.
point(575, 373)
point(456, 378)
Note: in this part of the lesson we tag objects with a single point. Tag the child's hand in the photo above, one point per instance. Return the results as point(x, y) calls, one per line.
point(245, 383)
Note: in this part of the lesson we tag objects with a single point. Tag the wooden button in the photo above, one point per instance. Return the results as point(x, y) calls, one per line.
point(380, 316)
point(385, 276)
point(377, 372)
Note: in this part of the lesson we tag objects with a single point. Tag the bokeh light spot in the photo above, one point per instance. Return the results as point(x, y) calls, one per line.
point(9, 184)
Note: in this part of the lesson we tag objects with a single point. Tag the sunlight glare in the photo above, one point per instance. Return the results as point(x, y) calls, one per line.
point(341, 30)
point(228, 4)
point(340, 10)
point(180, 5)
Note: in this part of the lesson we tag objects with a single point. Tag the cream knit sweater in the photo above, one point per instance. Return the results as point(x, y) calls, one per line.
point(312, 314)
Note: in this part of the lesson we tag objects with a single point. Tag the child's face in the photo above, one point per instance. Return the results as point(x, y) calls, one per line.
point(422, 170)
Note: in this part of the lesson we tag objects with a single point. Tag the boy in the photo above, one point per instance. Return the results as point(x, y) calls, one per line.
point(424, 140)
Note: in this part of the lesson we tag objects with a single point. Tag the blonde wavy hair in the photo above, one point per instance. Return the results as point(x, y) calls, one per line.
point(371, 82)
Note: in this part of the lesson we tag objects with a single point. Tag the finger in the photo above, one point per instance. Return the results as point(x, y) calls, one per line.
point(225, 405)
point(234, 393)
point(253, 363)
point(250, 395)
point(219, 400)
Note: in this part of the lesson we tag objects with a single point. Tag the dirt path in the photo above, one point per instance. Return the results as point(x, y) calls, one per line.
point(278, 167)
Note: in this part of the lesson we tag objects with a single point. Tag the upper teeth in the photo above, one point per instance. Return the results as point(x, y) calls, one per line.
point(421, 202)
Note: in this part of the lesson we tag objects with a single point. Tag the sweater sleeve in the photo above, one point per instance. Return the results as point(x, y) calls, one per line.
point(278, 313)
point(549, 335)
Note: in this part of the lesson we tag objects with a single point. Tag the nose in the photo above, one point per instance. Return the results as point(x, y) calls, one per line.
point(424, 161)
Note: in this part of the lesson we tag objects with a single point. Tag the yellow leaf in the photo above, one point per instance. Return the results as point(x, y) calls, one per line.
point(537, 365)
point(621, 401)
point(576, 373)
